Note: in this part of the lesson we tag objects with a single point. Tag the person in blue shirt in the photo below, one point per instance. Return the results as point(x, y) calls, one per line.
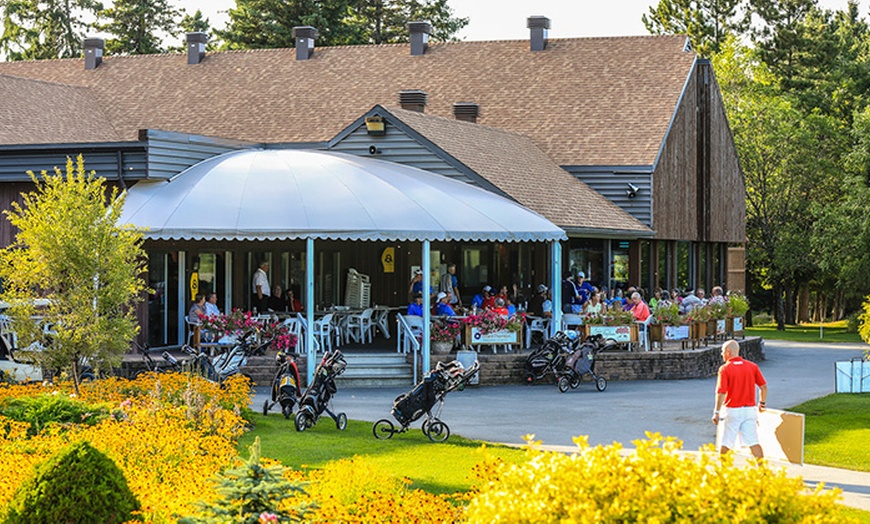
point(442, 307)
point(416, 307)
point(584, 288)
point(481, 297)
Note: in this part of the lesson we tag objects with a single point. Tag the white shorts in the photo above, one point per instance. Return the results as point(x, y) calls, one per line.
point(742, 421)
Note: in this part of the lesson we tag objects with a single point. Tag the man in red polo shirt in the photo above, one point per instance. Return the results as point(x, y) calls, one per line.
point(735, 390)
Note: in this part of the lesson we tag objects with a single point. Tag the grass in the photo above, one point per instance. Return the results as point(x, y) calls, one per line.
point(831, 332)
point(837, 430)
point(433, 467)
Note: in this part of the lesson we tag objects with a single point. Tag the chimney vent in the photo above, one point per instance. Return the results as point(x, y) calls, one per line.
point(196, 47)
point(467, 111)
point(413, 100)
point(304, 36)
point(419, 36)
point(93, 52)
point(538, 26)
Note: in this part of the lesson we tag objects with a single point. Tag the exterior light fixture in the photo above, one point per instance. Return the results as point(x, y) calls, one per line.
point(632, 190)
point(375, 126)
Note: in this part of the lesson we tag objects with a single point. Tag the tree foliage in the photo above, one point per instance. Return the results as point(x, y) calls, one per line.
point(256, 24)
point(707, 22)
point(70, 250)
point(44, 29)
point(134, 26)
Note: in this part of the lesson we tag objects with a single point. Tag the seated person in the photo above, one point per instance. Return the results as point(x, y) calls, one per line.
point(690, 302)
point(415, 308)
point(293, 303)
point(511, 308)
point(211, 308)
point(500, 307)
point(197, 309)
point(639, 308)
point(442, 306)
point(277, 302)
point(481, 298)
point(536, 304)
point(594, 306)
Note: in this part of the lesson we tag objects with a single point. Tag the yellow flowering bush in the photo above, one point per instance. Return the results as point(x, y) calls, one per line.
point(170, 435)
point(654, 484)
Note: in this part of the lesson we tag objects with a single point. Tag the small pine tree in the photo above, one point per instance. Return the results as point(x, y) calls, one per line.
point(80, 485)
point(248, 491)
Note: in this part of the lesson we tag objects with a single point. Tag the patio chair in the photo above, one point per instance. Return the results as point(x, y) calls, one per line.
point(571, 321)
point(359, 327)
point(415, 326)
point(193, 332)
point(301, 327)
point(643, 332)
point(536, 325)
point(324, 331)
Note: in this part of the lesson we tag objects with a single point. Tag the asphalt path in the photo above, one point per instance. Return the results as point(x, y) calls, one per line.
point(626, 410)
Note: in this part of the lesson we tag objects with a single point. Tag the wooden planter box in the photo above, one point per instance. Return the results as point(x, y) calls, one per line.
point(621, 334)
point(734, 327)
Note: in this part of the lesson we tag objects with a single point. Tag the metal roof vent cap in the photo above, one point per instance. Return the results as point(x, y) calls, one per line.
point(196, 47)
point(466, 111)
point(305, 36)
point(419, 36)
point(413, 100)
point(93, 48)
point(538, 26)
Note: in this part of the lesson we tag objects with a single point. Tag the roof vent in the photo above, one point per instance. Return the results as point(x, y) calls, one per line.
point(93, 52)
point(467, 111)
point(538, 26)
point(196, 47)
point(413, 100)
point(304, 35)
point(419, 36)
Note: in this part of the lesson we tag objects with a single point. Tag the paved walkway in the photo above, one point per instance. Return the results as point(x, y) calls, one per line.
point(626, 410)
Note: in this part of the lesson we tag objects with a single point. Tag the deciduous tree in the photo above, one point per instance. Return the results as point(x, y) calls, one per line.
point(70, 250)
point(44, 29)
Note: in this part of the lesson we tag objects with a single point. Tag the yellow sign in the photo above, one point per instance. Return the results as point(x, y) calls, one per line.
point(388, 259)
point(194, 284)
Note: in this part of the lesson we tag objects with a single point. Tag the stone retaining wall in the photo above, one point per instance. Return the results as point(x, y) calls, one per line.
point(509, 368)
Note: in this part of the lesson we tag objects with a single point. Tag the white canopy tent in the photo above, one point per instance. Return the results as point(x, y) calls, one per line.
point(286, 194)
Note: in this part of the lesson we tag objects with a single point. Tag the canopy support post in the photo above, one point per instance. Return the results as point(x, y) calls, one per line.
point(556, 284)
point(309, 309)
point(182, 303)
point(427, 312)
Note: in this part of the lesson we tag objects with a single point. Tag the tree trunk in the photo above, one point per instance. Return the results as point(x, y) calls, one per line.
point(803, 303)
point(789, 306)
point(780, 307)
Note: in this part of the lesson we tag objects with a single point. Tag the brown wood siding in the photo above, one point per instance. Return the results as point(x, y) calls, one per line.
point(675, 175)
point(736, 269)
point(728, 191)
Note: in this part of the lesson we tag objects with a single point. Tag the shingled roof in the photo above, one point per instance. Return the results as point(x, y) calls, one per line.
point(584, 101)
point(519, 168)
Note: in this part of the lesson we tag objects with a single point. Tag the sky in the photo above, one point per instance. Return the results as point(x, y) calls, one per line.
point(506, 19)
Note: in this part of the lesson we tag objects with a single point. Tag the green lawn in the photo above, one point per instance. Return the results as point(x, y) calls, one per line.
point(831, 332)
point(433, 467)
point(837, 430)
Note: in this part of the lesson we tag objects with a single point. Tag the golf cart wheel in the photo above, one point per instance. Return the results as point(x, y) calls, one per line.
point(383, 429)
point(564, 384)
point(601, 383)
point(287, 411)
point(438, 431)
point(341, 422)
point(303, 421)
point(575, 381)
point(266, 407)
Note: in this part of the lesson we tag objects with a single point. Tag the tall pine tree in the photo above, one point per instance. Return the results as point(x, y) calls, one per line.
point(134, 26)
point(45, 29)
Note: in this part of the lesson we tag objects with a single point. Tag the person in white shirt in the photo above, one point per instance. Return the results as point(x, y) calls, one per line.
point(260, 287)
point(211, 308)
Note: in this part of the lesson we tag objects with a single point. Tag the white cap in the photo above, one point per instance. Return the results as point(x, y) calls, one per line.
point(441, 295)
point(418, 271)
point(581, 274)
point(487, 288)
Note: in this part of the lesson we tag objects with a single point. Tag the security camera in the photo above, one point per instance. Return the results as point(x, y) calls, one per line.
point(374, 150)
point(632, 190)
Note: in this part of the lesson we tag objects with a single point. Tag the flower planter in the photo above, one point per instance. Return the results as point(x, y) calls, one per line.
point(621, 334)
point(734, 327)
point(441, 348)
point(505, 337)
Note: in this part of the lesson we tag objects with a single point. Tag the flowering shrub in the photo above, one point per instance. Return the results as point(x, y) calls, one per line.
point(489, 321)
point(737, 305)
point(444, 331)
point(654, 484)
point(614, 317)
point(718, 309)
point(668, 314)
point(280, 335)
point(238, 322)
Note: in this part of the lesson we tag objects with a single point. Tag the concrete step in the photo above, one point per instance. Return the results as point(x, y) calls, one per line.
point(376, 370)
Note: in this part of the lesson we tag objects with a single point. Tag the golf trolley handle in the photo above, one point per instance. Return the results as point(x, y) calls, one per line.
point(169, 358)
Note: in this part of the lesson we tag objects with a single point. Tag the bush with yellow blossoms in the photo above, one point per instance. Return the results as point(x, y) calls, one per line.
point(656, 483)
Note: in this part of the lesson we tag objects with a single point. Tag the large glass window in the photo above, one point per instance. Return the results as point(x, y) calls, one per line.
point(683, 270)
point(163, 301)
point(475, 268)
point(588, 256)
point(619, 264)
point(663, 275)
point(704, 279)
point(647, 278)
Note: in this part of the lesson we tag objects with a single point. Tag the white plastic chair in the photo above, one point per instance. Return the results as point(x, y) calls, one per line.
point(359, 327)
point(415, 325)
point(536, 325)
point(301, 327)
point(324, 331)
point(643, 332)
point(191, 328)
point(571, 320)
